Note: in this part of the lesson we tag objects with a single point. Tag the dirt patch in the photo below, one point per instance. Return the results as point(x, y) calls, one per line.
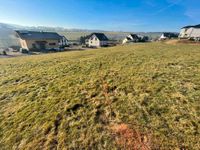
point(173, 42)
point(131, 139)
point(184, 41)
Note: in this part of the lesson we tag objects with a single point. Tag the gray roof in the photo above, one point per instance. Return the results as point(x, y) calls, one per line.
point(128, 38)
point(170, 35)
point(134, 36)
point(36, 35)
point(195, 26)
point(100, 36)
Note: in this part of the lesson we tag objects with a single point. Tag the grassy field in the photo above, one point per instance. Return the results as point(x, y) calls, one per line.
point(142, 96)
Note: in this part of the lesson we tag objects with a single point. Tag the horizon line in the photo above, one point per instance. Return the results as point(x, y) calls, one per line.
point(65, 28)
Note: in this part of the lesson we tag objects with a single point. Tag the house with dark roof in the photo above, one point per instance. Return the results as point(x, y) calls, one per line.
point(134, 38)
point(131, 38)
point(63, 42)
point(97, 40)
point(190, 32)
point(35, 40)
point(168, 35)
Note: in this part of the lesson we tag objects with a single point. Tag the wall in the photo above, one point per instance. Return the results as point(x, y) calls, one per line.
point(188, 32)
point(191, 32)
point(103, 43)
point(23, 44)
point(195, 33)
point(28, 44)
point(182, 33)
point(124, 41)
point(94, 42)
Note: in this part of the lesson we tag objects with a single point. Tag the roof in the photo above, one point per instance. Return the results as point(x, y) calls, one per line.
point(100, 36)
point(134, 36)
point(131, 37)
point(195, 26)
point(128, 38)
point(37, 35)
point(63, 37)
point(168, 34)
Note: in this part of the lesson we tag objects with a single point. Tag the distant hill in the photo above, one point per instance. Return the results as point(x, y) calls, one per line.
point(8, 38)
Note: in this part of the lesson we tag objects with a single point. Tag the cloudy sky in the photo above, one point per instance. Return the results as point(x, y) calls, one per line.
point(114, 15)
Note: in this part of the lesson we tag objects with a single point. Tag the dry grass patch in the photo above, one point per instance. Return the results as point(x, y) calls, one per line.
point(130, 139)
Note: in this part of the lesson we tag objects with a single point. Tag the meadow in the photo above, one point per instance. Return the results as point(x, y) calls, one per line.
point(137, 96)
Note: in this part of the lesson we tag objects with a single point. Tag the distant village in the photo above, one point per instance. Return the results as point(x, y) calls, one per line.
point(39, 41)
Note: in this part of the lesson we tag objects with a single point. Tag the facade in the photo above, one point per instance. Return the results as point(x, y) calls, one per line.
point(34, 40)
point(190, 32)
point(97, 40)
point(168, 35)
point(131, 38)
point(63, 41)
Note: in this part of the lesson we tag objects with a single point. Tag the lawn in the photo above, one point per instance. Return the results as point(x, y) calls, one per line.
point(139, 96)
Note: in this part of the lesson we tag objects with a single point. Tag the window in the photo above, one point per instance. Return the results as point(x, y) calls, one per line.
point(51, 44)
point(34, 45)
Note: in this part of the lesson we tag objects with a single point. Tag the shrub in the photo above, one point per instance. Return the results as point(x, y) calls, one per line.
point(4, 53)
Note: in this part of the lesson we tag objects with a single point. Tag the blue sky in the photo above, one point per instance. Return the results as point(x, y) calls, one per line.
point(112, 15)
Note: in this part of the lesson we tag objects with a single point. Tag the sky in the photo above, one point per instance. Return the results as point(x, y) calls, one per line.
point(110, 15)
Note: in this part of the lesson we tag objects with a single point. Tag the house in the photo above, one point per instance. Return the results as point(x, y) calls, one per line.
point(97, 40)
point(168, 35)
point(143, 38)
point(35, 40)
point(190, 32)
point(84, 40)
point(131, 38)
point(63, 41)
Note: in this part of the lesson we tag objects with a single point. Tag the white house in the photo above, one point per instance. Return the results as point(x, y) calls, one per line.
point(63, 41)
point(168, 35)
point(190, 32)
point(97, 40)
point(131, 38)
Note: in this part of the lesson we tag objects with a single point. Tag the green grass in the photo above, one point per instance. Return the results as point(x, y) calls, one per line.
point(71, 100)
